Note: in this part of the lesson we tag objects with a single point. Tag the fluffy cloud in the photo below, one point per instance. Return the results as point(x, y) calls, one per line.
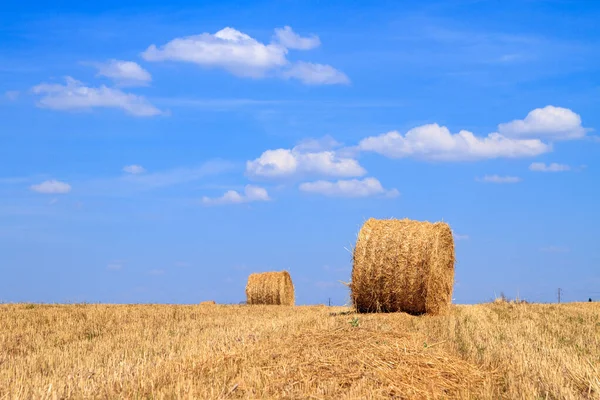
point(316, 74)
point(115, 266)
point(499, 179)
point(552, 123)
point(134, 169)
point(554, 167)
point(74, 95)
point(126, 73)
point(251, 193)
point(244, 56)
point(348, 188)
point(283, 163)
point(51, 187)
point(233, 50)
point(315, 145)
point(434, 142)
point(460, 237)
point(12, 95)
point(291, 40)
point(555, 249)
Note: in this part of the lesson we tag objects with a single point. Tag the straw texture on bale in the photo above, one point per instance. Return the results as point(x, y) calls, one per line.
point(275, 288)
point(204, 303)
point(403, 265)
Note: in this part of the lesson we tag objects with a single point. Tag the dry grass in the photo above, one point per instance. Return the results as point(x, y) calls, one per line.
point(491, 351)
point(403, 265)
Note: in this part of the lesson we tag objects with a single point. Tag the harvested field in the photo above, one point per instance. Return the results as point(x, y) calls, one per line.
point(489, 351)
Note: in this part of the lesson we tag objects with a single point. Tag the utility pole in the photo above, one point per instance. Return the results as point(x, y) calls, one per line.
point(559, 290)
point(330, 302)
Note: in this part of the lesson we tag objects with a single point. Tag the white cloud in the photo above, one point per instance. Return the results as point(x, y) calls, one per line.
point(51, 187)
point(434, 142)
point(291, 40)
point(231, 49)
point(499, 179)
point(134, 169)
point(285, 163)
point(12, 95)
point(460, 237)
point(129, 184)
point(244, 56)
point(74, 95)
point(316, 74)
point(315, 145)
point(348, 188)
point(251, 193)
point(156, 272)
point(126, 73)
point(554, 167)
point(552, 123)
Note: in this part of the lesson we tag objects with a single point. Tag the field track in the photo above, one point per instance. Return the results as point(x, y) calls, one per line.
point(496, 350)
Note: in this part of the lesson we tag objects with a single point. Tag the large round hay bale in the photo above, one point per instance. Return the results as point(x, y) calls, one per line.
point(274, 288)
point(403, 265)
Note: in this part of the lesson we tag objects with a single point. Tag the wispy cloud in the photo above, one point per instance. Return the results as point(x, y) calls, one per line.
point(251, 194)
point(12, 95)
point(316, 74)
point(499, 179)
point(132, 183)
point(461, 237)
point(51, 187)
point(156, 272)
point(115, 266)
point(134, 169)
point(553, 167)
point(124, 73)
point(555, 249)
point(74, 95)
point(349, 188)
point(291, 40)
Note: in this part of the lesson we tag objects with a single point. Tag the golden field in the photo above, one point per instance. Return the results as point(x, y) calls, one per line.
point(487, 351)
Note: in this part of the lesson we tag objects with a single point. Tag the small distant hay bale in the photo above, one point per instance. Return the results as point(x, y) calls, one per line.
point(273, 288)
point(403, 265)
point(205, 303)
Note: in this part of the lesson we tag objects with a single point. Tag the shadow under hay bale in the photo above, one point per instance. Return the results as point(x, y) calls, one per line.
point(272, 288)
point(403, 265)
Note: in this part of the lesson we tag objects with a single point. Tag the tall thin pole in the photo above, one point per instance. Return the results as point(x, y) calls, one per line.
point(559, 294)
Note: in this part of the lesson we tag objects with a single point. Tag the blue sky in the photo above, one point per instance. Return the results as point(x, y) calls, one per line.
point(161, 153)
